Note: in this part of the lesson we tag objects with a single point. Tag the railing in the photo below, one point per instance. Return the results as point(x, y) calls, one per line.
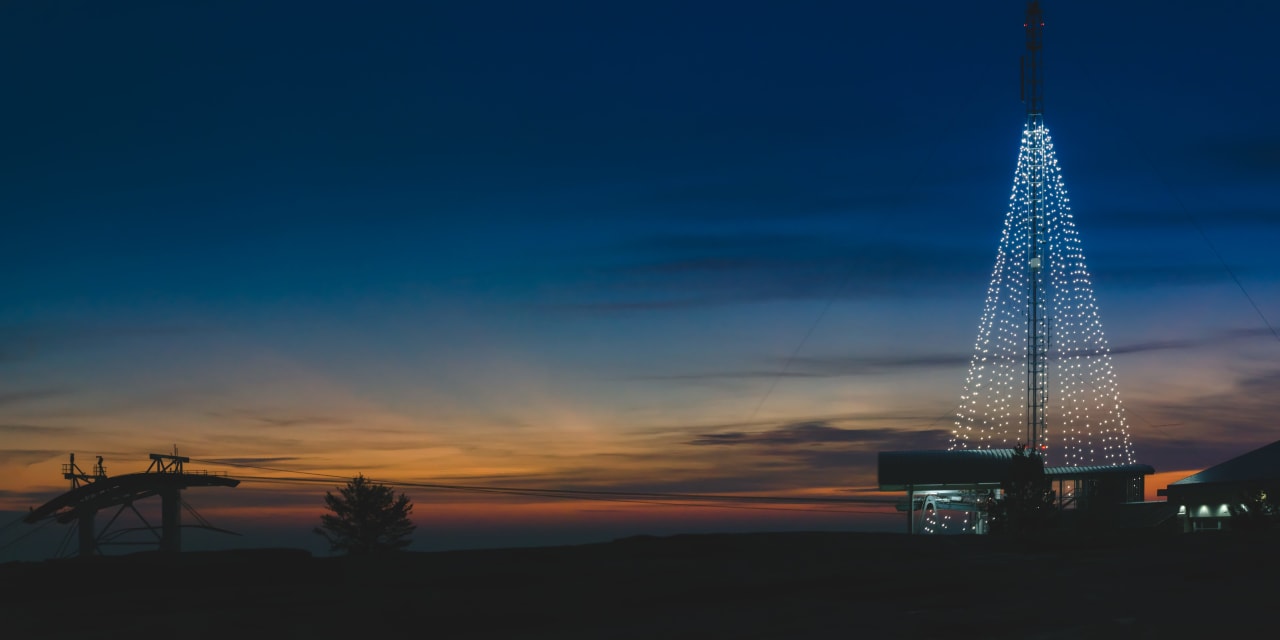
point(190, 472)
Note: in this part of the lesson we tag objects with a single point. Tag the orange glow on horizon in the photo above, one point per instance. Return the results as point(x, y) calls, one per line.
point(1158, 481)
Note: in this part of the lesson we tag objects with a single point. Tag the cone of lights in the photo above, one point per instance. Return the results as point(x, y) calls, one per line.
point(1083, 418)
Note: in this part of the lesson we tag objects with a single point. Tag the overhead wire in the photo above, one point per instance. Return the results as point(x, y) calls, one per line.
point(26, 535)
point(12, 522)
point(826, 505)
point(534, 493)
point(568, 492)
point(786, 365)
point(907, 189)
point(1140, 150)
point(636, 497)
point(1231, 272)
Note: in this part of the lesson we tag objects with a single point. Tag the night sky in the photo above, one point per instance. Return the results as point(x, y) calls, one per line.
point(663, 246)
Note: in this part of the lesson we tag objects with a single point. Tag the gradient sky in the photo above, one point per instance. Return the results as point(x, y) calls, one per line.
point(713, 247)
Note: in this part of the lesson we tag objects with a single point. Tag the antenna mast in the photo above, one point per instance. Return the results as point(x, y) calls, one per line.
point(1037, 327)
point(1032, 88)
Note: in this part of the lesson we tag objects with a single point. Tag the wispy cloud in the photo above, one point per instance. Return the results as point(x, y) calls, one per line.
point(33, 395)
point(27, 456)
point(1203, 430)
point(1213, 339)
point(682, 271)
point(836, 366)
point(903, 419)
point(872, 365)
point(34, 496)
point(1250, 156)
point(22, 342)
point(793, 434)
point(1139, 276)
point(256, 441)
point(302, 420)
point(37, 429)
point(307, 444)
point(828, 367)
point(819, 432)
point(1171, 219)
point(747, 196)
point(260, 460)
point(280, 419)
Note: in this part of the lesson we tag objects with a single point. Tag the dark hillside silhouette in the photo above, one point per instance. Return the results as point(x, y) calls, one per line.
point(789, 585)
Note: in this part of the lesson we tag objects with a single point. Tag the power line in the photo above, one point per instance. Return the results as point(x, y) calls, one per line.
point(10, 524)
point(573, 492)
point(911, 184)
point(638, 497)
point(1141, 151)
point(25, 535)
point(1209, 243)
point(1224, 264)
point(834, 506)
point(535, 493)
point(261, 468)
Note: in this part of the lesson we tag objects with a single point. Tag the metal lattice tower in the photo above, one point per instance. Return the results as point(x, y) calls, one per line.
point(91, 493)
point(1036, 165)
point(1040, 325)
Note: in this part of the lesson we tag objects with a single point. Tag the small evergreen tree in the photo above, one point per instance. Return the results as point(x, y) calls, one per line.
point(1029, 502)
point(367, 518)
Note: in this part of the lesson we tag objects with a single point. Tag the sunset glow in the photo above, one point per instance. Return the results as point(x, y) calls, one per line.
point(661, 250)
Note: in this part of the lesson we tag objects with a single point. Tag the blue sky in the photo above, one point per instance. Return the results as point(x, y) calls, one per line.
point(571, 243)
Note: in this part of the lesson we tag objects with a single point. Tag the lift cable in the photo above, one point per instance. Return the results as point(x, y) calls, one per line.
point(11, 523)
point(911, 184)
point(597, 498)
point(582, 492)
point(559, 493)
point(25, 535)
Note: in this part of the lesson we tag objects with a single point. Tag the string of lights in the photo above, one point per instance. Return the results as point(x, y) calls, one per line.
point(1084, 417)
point(944, 522)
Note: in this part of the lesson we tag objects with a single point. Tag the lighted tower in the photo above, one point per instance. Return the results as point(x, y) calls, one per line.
point(1040, 329)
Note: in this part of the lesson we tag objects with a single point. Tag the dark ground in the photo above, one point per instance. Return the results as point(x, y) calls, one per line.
point(789, 585)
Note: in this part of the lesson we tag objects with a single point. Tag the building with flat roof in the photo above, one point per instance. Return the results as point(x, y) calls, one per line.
point(952, 491)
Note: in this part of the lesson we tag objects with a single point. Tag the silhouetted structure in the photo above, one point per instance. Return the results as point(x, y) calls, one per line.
point(1239, 493)
point(978, 483)
point(91, 493)
point(1040, 326)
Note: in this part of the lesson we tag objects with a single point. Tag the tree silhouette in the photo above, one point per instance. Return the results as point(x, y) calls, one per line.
point(367, 518)
point(1029, 500)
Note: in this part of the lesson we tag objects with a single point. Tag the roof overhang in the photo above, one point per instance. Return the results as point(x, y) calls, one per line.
point(940, 469)
point(972, 469)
